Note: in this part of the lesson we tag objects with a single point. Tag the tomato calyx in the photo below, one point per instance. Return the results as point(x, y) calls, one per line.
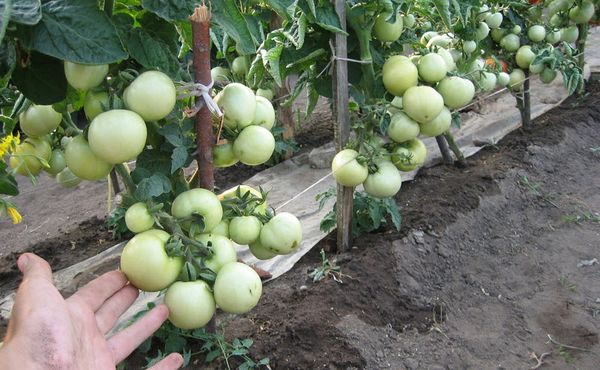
point(246, 203)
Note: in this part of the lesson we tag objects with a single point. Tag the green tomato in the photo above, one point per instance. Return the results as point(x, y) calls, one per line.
point(422, 103)
point(223, 155)
point(264, 115)
point(456, 91)
point(517, 78)
point(220, 74)
point(39, 120)
point(442, 41)
point(402, 128)
point(516, 30)
point(524, 56)
point(432, 68)
point(535, 13)
point(448, 59)
point(497, 34)
point(553, 37)
point(494, 20)
point(67, 179)
point(385, 31)
point(238, 104)
point(399, 74)
point(536, 33)
point(409, 155)
point(440, 124)
point(240, 66)
point(28, 157)
point(503, 79)
point(83, 162)
point(146, 264)
point(569, 34)
point(558, 20)
point(243, 189)
point(254, 145)
point(201, 202)
point(426, 25)
point(488, 81)
point(536, 68)
point(469, 46)
point(191, 304)
point(547, 75)
point(117, 136)
point(347, 170)
point(510, 42)
point(408, 21)
point(582, 13)
point(482, 12)
point(222, 229)
point(384, 183)
point(261, 252)
point(483, 30)
point(222, 250)
point(244, 229)
point(152, 95)
point(269, 94)
point(95, 103)
point(282, 234)
point(57, 162)
point(427, 36)
point(138, 219)
point(237, 288)
point(85, 77)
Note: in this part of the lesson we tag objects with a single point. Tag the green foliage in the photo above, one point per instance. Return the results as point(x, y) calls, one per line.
point(369, 213)
point(325, 270)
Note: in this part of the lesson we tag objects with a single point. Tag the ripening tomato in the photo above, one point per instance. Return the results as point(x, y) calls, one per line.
point(456, 91)
point(254, 145)
point(201, 202)
point(191, 304)
point(536, 33)
point(517, 78)
point(29, 156)
point(117, 136)
point(569, 34)
point(56, 162)
point(84, 77)
point(398, 74)
point(347, 170)
point(240, 66)
point(583, 13)
point(510, 42)
point(432, 68)
point(402, 128)
point(220, 74)
point(483, 30)
point(422, 103)
point(503, 79)
point(222, 228)
point(83, 162)
point(491, 63)
point(223, 155)
point(146, 264)
point(152, 95)
point(264, 115)
point(282, 234)
point(138, 219)
point(409, 155)
point(440, 124)
point(547, 75)
point(260, 252)
point(67, 179)
point(387, 31)
point(448, 59)
point(487, 81)
point(269, 94)
point(238, 104)
point(95, 103)
point(524, 56)
point(39, 120)
point(244, 229)
point(237, 288)
point(384, 183)
point(494, 20)
point(222, 250)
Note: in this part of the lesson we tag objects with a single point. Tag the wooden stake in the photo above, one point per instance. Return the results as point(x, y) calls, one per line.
point(204, 137)
point(342, 131)
point(443, 145)
point(524, 104)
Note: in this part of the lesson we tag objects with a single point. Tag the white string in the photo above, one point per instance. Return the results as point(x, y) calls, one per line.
point(307, 189)
point(203, 91)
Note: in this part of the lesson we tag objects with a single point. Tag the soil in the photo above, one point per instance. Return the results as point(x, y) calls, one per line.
point(484, 272)
point(488, 271)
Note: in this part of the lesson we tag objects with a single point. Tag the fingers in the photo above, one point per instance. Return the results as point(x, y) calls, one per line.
point(114, 307)
point(171, 362)
point(100, 289)
point(124, 342)
point(33, 266)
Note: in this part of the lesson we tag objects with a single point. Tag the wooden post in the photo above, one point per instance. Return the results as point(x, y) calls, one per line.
point(204, 136)
point(342, 132)
point(443, 145)
point(583, 34)
point(460, 157)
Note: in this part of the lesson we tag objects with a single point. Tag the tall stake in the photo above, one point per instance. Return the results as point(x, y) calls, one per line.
point(204, 136)
point(342, 131)
point(524, 104)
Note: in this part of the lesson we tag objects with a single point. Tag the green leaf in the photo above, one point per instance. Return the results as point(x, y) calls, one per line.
point(153, 186)
point(152, 53)
point(227, 16)
point(443, 9)
point(8, 184)
point(392, 210)
point(271, 58)
point(175, 343)
point(171, 10)
point(8, 59)
point(179, 158)
point(327, 18)
point(212, 355)
point(42, 80)
point(77, 31)
point(283, 8)
point(150, 162)
point(161, 30)
point(27, 12)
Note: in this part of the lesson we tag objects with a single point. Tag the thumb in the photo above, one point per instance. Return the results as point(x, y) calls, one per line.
point(33, 266)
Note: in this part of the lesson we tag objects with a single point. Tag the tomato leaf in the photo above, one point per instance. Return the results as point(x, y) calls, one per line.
point(8, 60)
point(175, 343)
point(227, 16)
point(171, 10)
point(152, 187)
point(151, 52)
point(42, 80)
point(284, 8)
point(77, 31)
point(27, 12)
point(8, 184)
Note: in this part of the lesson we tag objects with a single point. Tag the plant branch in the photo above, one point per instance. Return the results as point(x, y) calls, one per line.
point(455, 149)
point(123, 172)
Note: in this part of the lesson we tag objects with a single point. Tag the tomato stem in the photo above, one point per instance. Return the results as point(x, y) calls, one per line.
point(583, 33)
point(123, 173)
point(455, 149)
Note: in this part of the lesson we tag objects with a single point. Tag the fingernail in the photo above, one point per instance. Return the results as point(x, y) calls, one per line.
point(22, 262)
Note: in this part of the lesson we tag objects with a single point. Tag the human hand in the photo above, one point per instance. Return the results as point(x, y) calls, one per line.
point(48, 332)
